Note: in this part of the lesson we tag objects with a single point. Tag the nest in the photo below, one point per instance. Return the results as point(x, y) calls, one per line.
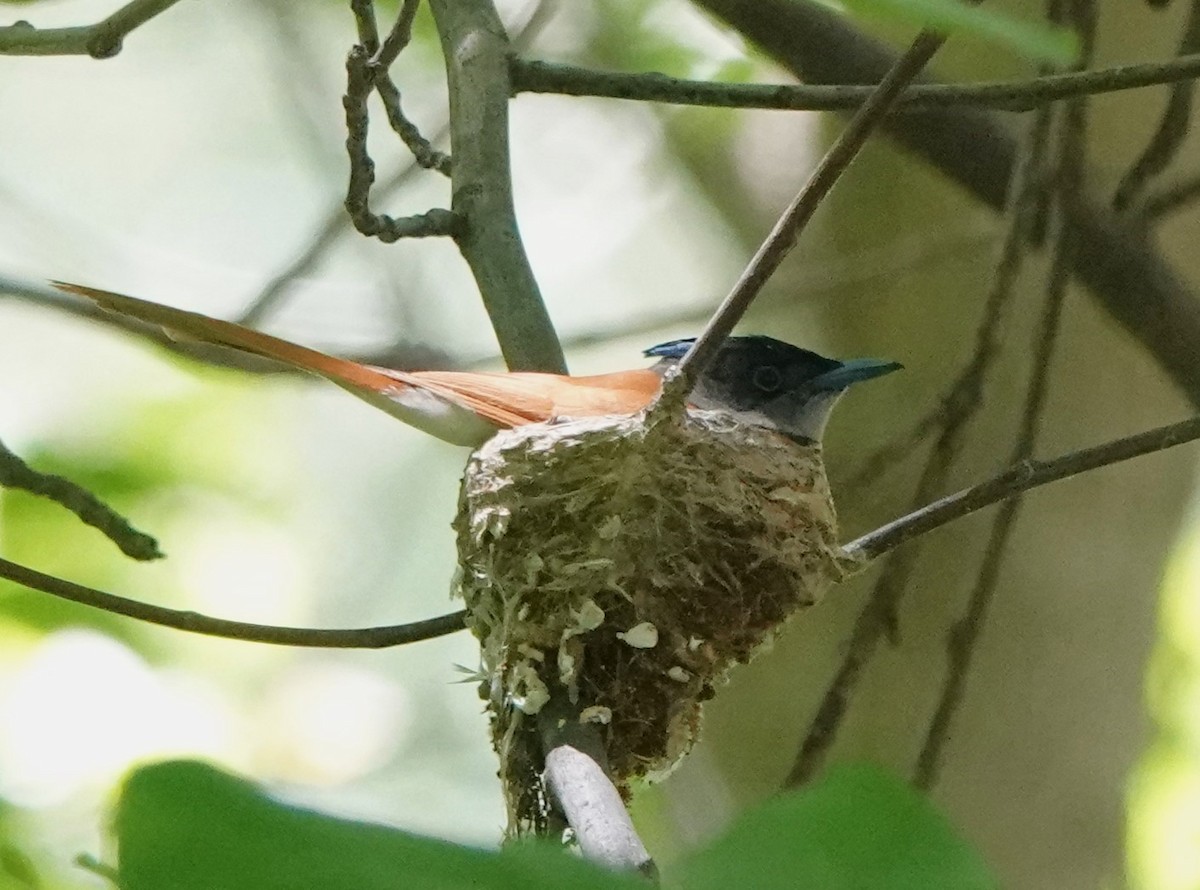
point(629, 566)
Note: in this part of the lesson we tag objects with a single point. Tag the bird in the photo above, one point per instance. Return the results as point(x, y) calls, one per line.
point(759, 380)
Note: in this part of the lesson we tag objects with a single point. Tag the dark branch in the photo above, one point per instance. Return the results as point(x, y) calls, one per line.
point(957, 409)
point(1124, 271)
point(1172, 128)
point(193, 622)
point(1022, 477)
point(360, 83)
point(102, 40)
point(398, 38)
point(334, 223)
point(15, 473)
point(964, 635)
point(531, 76)
point(782, 238)
point(1171, 198)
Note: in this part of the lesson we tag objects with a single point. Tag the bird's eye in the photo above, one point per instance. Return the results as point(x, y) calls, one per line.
point(767, 378)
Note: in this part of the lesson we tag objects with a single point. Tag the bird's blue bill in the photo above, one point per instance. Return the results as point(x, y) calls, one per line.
point(852, 371)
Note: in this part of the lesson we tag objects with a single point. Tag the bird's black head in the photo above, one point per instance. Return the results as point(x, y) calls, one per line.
point(771, 383)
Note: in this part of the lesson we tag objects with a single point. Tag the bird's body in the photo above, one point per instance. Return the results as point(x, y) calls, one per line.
point(703, 534)
point(761, 380)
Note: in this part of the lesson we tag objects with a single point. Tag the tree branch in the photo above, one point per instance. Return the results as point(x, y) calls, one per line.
point(782, 238)
point(576, 775)
point(1170, 199)
point(102, 40)
point(362, 76)
point(15, 473)
point(193, 622)
point(477, 49)
point(955, 412)
point(1022, 477)
point(334, 223)
point(383, 54)
point(1124, 272)
point(964, 634)
point(1172, 128)
point(534, 76)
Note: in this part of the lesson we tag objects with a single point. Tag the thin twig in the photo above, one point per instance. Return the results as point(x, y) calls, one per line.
point(335, 222)
point(360, 83)
point(193, 622)
point(963, 636)
point(782, 238)
point(102, 40)
point(1125, 272)
point(1022, 477)
point(15, 473)
point(365, 24)
point(877, 616)
point(400, 35)
point(422, 149)
point(1171, 199)
point(398, 38)
point(532, 76)
point(1172, 128)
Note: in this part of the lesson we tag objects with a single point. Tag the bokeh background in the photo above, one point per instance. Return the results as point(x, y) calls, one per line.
point(199, 163)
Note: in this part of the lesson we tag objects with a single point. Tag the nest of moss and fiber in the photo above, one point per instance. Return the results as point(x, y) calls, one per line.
point(629, 566)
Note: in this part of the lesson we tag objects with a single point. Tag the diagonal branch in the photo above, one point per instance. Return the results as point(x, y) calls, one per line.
point(361, 82)
point(782, 238)
point(577, 778)
point(1024, 476)
point(15, 473)
point(1125, 272)
point(1172, 128)
point(384, 53)
point(965, 632)
point(952, 417)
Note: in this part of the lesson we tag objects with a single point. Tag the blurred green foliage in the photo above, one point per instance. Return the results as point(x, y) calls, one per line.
point(1164, 797)
point(1035, 40)
point(147, 459)
point(188, 826)
point(857, 828)
point(185, 824)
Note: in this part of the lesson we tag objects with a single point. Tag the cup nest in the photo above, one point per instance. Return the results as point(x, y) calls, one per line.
point(628, 566)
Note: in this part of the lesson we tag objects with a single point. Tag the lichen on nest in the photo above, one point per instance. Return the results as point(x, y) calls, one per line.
point(631, 565)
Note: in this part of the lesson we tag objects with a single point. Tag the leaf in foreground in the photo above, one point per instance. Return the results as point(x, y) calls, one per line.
point(857, 828)
point(184, 825)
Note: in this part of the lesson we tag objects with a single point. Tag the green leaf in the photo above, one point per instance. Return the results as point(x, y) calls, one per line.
point(184, 825)
point(1045, 43)
point(857, 828)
